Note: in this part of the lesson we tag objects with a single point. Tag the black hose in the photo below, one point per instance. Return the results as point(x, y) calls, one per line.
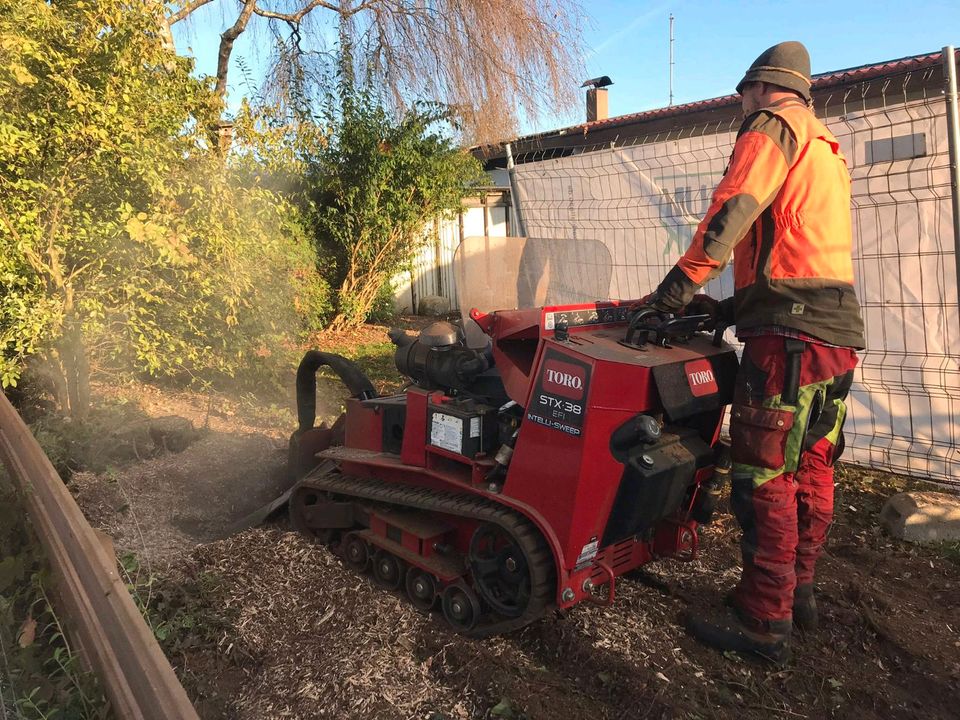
point(353, 377)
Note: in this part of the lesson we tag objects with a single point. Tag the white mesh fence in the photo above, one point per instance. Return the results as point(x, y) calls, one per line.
point(610, 221)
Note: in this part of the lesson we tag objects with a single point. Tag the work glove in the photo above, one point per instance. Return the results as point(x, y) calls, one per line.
point(720, 311)
point(650, 300)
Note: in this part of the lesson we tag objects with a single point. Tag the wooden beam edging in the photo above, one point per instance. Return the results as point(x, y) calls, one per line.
point(114, 639)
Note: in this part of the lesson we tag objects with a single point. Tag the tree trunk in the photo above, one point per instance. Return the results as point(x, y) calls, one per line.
point(52, 369)
point(71, 351)
point(166, 34)
point(362, 293)
point(76, 368)
point(227, 39)
point(346, 51)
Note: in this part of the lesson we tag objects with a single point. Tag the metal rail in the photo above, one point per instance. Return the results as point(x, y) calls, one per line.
point(99, 612)
point(953, 138)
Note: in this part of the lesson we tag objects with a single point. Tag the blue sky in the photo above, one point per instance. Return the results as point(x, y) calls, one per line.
point(714, 42)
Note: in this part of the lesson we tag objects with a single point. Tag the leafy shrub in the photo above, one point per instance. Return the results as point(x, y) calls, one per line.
point(127, 242)
point(383, 310)
point(374, 185)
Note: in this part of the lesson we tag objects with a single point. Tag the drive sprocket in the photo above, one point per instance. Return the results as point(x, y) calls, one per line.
point(501, 573)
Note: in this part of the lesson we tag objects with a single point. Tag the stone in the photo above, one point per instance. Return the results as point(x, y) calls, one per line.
point(433, 305)
point(922, 516)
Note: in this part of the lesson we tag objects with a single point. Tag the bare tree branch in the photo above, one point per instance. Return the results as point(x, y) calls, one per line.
point(367, 5)
point(297, 16)
point(491, 60)
point(494, 61)
point(186, 10)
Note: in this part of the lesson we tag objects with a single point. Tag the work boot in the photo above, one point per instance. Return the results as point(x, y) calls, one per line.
point(766, 639)
point(805, 609)
point(805, 617)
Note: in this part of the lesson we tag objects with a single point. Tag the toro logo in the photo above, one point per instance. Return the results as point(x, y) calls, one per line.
point(700, 377)
point(563, 379)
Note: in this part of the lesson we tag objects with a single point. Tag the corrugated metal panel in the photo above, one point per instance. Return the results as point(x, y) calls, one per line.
point(432, 270)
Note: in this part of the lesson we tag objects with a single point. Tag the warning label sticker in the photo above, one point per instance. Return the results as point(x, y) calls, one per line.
point(587, 554)
point(446, 432)
point(559, 397)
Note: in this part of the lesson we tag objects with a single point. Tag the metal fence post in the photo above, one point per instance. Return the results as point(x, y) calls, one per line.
point(514, 199)
point(953, 136)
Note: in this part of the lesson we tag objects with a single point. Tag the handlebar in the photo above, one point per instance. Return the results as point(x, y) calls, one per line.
point(667, 327)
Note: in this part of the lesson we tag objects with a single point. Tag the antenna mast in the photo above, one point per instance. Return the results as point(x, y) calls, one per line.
point(671, 58)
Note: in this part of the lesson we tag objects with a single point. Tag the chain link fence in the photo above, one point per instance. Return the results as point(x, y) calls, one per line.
point(610, 220)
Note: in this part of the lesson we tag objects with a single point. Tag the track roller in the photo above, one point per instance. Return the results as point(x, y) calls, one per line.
point(356, 553)
point(461, 607)
point(421, 589)
point(387, 570)
point(509, 578)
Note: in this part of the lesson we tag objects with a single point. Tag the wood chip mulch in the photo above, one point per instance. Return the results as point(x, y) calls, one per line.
point(312, 639)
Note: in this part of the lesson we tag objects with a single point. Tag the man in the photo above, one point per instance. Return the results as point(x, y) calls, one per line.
point(783, 210)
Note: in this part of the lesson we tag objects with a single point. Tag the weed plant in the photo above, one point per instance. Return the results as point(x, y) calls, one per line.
point(41, 677)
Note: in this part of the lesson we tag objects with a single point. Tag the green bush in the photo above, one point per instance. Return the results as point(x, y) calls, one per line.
point(127, 242)
point(383, 310)
point(375, 183)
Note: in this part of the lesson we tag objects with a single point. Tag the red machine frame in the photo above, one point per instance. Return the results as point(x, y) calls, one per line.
point(570, 510)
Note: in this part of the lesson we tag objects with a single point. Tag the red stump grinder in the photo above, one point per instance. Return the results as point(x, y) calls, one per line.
point(503, 482)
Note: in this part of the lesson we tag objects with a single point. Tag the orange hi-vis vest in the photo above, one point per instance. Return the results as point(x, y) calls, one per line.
point(783, 210)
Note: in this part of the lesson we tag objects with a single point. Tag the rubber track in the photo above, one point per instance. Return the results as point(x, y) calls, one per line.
point(540, 560)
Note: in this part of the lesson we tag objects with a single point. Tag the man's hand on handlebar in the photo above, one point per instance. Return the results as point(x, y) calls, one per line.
point(651, 300)
point(704, 305)
point(720, 311)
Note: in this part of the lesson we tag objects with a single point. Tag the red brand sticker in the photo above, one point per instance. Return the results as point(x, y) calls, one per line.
point(563, 379)
point(700, 377)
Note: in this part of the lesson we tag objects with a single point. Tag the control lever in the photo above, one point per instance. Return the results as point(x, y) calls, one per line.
point(679, 326)
point(718, 332)
point(641, 315)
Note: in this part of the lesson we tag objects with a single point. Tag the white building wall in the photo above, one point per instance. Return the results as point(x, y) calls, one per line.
point(431, 270)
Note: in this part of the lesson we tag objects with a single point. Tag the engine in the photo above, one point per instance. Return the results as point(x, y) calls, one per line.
point(477, 416)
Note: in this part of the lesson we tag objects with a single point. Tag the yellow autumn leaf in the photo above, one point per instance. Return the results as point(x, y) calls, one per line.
point(22, 75)
point(135, 229)
point(28, 632)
